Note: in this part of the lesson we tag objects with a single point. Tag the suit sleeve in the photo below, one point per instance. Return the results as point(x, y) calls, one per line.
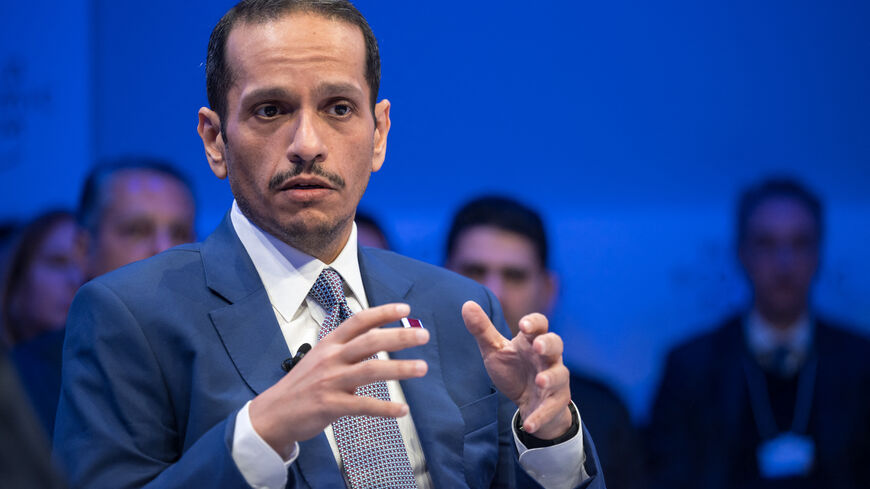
point(116, 426)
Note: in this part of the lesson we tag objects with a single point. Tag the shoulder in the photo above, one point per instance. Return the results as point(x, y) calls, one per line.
point(152, 286)
point(844, 344)
point(589, 389)
point(723, 336)
point(698, 357)
point(426, 278)
point(159, 269)
point(842, 334)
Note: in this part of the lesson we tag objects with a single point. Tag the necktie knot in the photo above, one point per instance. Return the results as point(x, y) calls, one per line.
point(328, 290)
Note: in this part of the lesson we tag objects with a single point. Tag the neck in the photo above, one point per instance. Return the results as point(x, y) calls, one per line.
point(324, 246)
point(781, 320)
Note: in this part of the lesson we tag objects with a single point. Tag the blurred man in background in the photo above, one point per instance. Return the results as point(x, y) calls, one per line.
point(134, 208)
point(777, 396)
point(502, 244)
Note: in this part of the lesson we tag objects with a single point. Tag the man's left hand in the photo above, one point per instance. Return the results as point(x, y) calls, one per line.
point(528, 369)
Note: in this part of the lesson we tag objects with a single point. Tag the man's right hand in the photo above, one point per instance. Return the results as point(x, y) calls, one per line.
point(320, 388)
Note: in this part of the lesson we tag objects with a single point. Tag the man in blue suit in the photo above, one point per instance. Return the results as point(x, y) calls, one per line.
point(173, 366)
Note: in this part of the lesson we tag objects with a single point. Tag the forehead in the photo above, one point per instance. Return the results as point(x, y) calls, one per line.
point(781, 214)
point(495, 247)
point(147, 190)
point(294, 49)
point(61, 235)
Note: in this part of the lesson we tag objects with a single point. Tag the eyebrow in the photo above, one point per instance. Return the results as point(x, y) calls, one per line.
point(340, 88)
point(267, 93)
point(323, 90)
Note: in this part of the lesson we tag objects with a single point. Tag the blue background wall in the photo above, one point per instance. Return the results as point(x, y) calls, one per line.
point(631, 125)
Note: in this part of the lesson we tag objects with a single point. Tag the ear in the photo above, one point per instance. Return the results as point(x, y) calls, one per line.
point(209, 129)
point(382, 127)
point(550, 291)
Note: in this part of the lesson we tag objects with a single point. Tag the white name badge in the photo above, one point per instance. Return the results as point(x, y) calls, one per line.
point(788, 455)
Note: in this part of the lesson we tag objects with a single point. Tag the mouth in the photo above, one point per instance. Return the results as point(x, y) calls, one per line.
point(306, 190)
point(306, 183)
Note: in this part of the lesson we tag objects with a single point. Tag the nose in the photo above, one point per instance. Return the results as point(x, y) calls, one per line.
point(493, 282)
point(162, 241)
point(785, 256)
point(307, 145)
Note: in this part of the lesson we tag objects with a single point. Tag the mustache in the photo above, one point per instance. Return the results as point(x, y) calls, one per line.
point(278, 180)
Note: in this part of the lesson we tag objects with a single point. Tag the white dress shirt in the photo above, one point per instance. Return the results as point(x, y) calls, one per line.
point(287, 275)
point(763, 339)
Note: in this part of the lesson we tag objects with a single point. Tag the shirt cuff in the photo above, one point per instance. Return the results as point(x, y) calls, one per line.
point(260, 465)
point(554, 467)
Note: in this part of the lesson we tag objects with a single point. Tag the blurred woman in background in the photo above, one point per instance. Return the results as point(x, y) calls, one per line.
point(43, 269)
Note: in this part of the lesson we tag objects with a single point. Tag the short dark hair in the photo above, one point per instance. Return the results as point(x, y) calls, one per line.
point(772, 188)
point(219, 76)
point(93, 197)
point(503, 213)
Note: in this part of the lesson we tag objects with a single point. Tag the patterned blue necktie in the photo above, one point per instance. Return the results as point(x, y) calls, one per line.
point(372, 450)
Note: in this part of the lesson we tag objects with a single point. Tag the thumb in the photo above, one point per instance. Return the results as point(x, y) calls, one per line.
point(478, 324)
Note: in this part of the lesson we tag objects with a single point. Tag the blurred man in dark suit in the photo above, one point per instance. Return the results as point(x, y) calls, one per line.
point(775, 397)
point(502, 244)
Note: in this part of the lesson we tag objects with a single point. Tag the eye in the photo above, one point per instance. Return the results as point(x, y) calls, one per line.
point(473, 271)
point(181, 233)
point(136, 229)
point(515, 275)
point(268, 111)
point(341, 109)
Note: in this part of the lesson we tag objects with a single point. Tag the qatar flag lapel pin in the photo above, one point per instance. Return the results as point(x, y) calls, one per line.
point(412, 323)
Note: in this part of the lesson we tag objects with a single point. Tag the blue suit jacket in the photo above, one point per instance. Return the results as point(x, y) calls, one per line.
point(160, 356)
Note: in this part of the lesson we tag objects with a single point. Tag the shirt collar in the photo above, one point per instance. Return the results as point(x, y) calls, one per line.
point(287, 273)
point(763, 337)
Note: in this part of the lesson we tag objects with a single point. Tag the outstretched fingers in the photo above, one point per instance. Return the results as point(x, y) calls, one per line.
point(549, 347)
point(353, 405)
point(385, 339)
point(478, 324)
point(375, 370)
point(368, 319)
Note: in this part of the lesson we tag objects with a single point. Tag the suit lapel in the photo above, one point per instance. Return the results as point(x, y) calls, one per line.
point(246, 325)
point(252, 338)
point(437, 420)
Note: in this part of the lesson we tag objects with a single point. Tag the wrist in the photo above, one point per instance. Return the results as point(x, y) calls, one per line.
point(562, 429)
point(264, 426)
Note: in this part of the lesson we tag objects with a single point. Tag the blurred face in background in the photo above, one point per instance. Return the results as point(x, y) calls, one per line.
point(145, 212)
point(40, 300)
point(508, 265)
point(371, 236)
point(780, 253)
